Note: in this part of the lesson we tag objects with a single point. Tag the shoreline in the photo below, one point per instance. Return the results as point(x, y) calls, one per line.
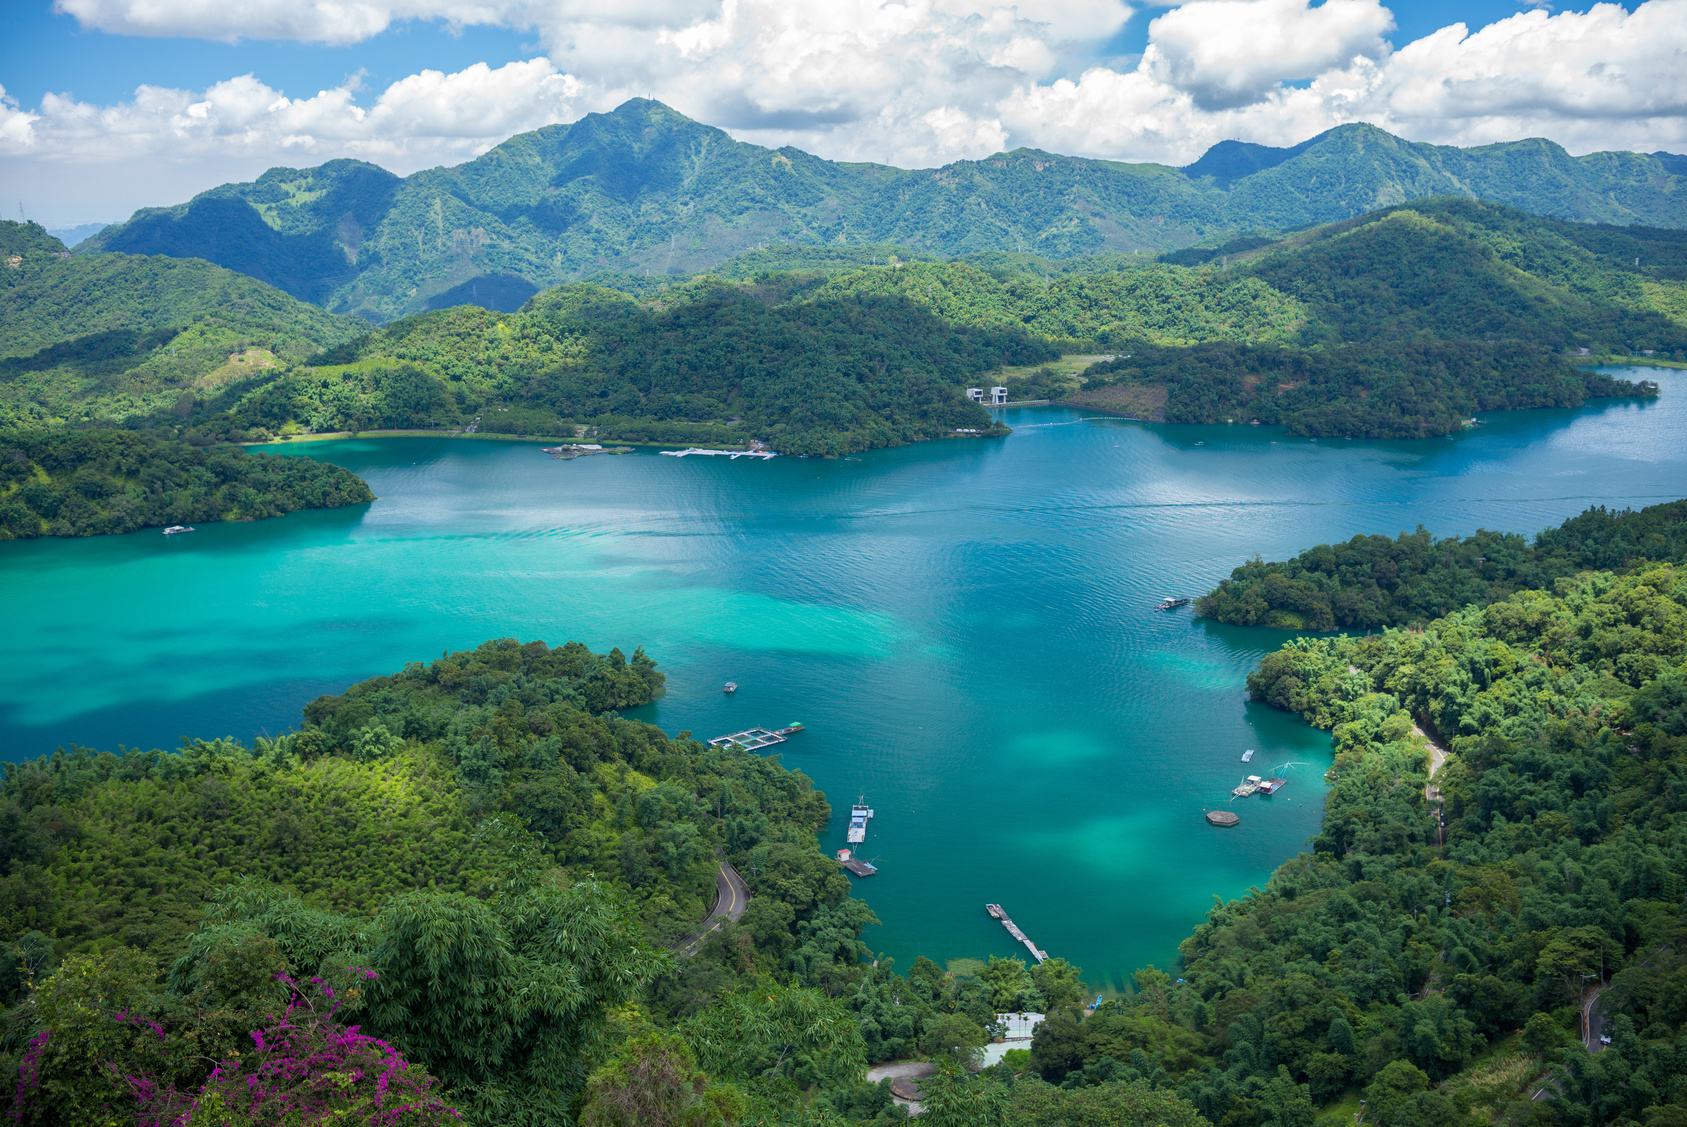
point(342, 435)
point(1626, 362)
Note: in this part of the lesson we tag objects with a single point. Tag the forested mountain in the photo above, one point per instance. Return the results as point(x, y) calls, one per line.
point(645, 190)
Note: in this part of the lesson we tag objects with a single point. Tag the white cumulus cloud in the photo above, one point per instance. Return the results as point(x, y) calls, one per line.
point(1234, 52)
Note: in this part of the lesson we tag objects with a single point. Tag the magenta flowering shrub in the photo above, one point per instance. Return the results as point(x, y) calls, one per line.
point(305, 1069)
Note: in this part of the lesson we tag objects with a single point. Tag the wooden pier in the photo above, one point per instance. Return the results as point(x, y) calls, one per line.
point(997, 911)
point(762, 454)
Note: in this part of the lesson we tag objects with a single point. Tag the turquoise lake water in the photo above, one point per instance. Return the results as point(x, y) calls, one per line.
point(965, 627)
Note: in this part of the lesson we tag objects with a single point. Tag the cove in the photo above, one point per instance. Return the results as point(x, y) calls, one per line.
point(965, 628)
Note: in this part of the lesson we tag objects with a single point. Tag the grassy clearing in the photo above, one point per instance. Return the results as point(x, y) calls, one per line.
point(1070, 365)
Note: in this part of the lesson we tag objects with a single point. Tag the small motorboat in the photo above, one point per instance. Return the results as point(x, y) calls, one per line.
point(731, 687)
point(1248, 755)
point(176, 529)
point(1171, 601)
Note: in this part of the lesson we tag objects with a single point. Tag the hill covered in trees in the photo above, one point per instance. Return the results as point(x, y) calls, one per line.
point(1373, 581)
point(119, 337)
point(714, 363)
point(1400, 323)
point(1407, 321)
point(647, 191)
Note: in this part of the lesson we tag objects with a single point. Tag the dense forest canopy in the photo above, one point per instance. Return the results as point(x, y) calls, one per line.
point(94, 482)
point(1415, 389)
point(646, 192)
point(1373, 581)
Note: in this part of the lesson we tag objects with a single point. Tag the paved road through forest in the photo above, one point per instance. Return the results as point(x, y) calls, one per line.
point(732, 896)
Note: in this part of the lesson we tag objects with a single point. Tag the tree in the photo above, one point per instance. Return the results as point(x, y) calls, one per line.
point(1388, 1098)
point(951, 1098)
point(776, 1031)
point(954, 1037)
point(1057, 1047)
point(654, 1081)
point(507, 999)
point(97, 1012)
point(306, 1068)
point(1573, 955)
point(1059, 983)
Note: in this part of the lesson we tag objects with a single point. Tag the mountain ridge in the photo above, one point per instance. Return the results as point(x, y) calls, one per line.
point(646, 190)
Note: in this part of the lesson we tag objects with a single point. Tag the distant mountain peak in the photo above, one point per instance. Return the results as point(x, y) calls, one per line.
point(644, 189)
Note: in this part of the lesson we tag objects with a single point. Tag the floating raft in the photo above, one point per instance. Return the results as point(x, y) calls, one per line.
point(1013, 930)
point(1222, 818)
point(855, 864)
point(754, 739)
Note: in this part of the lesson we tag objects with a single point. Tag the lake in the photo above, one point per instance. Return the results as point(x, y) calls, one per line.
point(966, 628)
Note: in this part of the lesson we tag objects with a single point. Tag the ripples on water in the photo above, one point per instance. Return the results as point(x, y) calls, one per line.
point(964, 626)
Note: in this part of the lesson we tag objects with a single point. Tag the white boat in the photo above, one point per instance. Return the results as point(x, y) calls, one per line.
point(731, 686)
point(1248, 755)
point(177, 528)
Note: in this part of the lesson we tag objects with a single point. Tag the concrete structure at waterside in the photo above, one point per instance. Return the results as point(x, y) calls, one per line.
point(976, 394)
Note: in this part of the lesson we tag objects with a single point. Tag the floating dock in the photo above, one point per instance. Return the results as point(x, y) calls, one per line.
point(855, 864)
point(859, 814)
point(762, 454)
point(1013, 930)
point(1222, 818)
point(754, 739)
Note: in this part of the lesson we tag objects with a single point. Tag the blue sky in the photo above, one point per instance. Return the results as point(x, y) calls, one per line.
point(235, 89)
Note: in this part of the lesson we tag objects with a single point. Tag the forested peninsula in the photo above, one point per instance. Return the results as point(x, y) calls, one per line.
point(1373, 581)
point(405, 862)
point(92, 482)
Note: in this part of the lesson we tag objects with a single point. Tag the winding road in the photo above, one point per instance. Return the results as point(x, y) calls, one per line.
point(732, 896)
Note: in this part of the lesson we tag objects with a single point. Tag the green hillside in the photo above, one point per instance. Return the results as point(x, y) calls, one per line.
point(645, 191)
point(1409, 320)
point(119, 336)
point(714, 363)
